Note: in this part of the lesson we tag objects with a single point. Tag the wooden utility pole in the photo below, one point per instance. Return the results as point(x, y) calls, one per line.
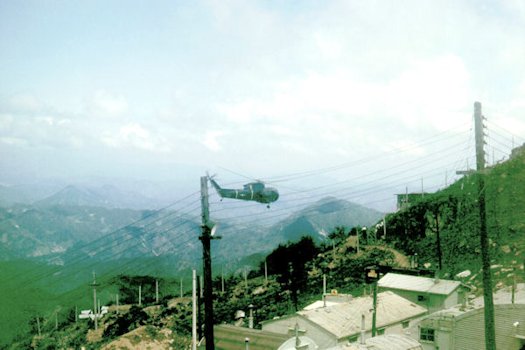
point(199, 308)
point(156, 291)
point(206, 256)
point(194, 311)
point(265, 271)
point(372, 275)
point(222, 280)
point(38, 326)
point(438, 241)
point(140, 294)
point(374, 315)
point(245, 281)
point(490, 333)
point(95, 314)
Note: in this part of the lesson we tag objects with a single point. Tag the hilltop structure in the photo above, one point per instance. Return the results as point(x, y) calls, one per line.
point(342, 323)
point(431, 293)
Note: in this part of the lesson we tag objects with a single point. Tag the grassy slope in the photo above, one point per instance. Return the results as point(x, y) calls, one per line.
point(21, 301)
point(459, 222)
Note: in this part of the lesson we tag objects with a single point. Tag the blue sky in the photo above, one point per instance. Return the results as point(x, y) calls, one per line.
point(265, 88)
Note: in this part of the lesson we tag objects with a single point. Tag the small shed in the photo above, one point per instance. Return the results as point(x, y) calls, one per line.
point(431, 293)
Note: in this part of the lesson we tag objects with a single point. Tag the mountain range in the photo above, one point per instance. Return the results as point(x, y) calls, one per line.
point(75, 225)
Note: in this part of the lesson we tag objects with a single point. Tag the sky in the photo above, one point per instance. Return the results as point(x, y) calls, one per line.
point(166, 90)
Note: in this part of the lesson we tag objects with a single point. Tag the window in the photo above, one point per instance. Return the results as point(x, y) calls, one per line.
point(380, 331)
point(421, 298)
point(426, 334)
point(405, 324)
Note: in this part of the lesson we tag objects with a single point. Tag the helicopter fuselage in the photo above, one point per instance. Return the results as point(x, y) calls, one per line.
point(254, 191)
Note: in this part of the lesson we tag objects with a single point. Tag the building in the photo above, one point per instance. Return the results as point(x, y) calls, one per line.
point(341, 323)
point(228, 337)
point(404, 200)
point(464, 328)
point(383, 342)
point(329, 299)
point(431, 293)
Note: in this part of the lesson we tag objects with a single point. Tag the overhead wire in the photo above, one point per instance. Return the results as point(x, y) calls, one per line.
point(347, 194)
point(77, 259)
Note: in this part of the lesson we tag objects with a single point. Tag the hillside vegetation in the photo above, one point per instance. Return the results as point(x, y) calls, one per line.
point(439, 231)
point(446, 224)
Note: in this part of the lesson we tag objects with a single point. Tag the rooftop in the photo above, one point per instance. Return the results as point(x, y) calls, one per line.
point(344, 319)
point(230, 337)
point(418, 284)
point(384, 342)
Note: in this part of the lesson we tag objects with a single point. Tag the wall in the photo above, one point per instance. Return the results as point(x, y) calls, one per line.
point(467, 331)
point(470, 328)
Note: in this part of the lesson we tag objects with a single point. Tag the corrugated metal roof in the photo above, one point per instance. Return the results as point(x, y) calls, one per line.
point(344, 319)
point(418, 284)
point(393, 342)
point(228, 337)
point(383, 342)
point(319, 304)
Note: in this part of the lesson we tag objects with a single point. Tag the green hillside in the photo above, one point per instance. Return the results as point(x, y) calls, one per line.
point(452, 215)
point(21, 303)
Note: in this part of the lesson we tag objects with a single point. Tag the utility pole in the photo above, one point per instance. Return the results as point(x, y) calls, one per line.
point(199, 309)
point(156, 291)
point(206, 256)
point(194, 311)
point(250, 318)
point(56, 320)
point(38, 326)
point(490, 333)
point(438, 239)
point(140, 294)
point(222, 280)
point(384, 227)
point(95, 299)
point(374, 315)
point(245, 281)
point(372, 275)
point(181, 291)
point(324, 290)
point(117, 304)
point(265, 271)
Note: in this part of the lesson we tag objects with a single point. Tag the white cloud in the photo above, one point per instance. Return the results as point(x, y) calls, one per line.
point(211, 140)
point(134, 135)
point(106, 104)
point(13, 141)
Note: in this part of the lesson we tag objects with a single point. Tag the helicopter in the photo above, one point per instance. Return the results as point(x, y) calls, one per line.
point(253, 191)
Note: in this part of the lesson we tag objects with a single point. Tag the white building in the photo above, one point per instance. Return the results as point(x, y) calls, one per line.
point(460, 328)
point(431, 293)
point(341, 323)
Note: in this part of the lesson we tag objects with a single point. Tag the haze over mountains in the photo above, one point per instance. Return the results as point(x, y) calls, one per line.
point(76, 225)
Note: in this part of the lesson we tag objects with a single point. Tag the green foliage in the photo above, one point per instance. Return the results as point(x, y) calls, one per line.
point(289, 261)
point(128, 287)
point(123, 323)
point(447, 223)
point(180, 317)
